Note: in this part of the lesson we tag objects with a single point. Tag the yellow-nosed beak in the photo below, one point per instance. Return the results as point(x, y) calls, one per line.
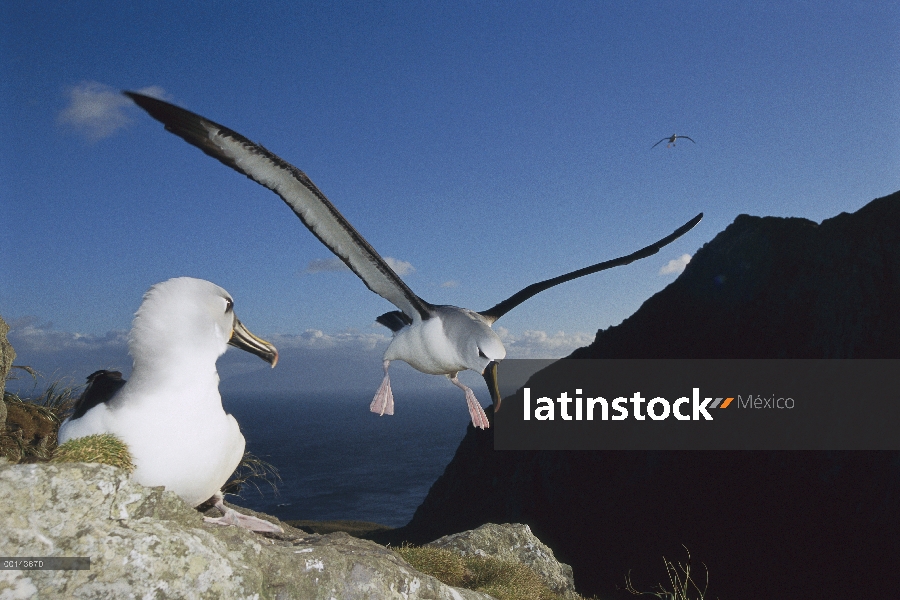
point(243, 339)
point(490, 378)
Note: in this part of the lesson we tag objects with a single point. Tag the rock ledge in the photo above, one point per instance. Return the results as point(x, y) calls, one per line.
point(146, 542)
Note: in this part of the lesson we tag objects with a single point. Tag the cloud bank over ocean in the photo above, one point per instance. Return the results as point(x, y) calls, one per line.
point(313, 361)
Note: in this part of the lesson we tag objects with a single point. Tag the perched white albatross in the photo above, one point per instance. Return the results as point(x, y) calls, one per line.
point(671, 139)
point(169, 413)
point(434, 339)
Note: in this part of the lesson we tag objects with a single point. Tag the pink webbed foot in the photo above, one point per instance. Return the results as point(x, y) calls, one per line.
point(383, 403)
point(233, 517)
point(479, 419)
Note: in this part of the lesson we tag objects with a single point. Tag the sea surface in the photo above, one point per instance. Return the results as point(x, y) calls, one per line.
point(337, 460)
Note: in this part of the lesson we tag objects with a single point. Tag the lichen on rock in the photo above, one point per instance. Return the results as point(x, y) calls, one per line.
point(513, 542)
point(146, 542)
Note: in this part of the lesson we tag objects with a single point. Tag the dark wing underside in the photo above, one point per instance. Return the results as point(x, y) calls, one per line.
point(518, 298)
point(394, 320)
point(101, 387)
point(297, 191)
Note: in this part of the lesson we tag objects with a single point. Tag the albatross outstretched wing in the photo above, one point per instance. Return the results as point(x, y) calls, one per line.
point(519, 297)
point(297, 191)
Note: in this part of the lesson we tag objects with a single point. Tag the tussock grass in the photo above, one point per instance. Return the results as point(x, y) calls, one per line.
point(501, 579)
point(100, 448)
point(681, 583)
point(28, 433)
point(252, 471)
point(443, 565)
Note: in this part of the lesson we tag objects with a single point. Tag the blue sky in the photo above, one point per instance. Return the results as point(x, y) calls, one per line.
point(483, 145)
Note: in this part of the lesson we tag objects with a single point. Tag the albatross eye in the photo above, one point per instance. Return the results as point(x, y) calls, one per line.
point(229, 305)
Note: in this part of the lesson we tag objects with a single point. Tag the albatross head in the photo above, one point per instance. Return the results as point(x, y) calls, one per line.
point(191, 319)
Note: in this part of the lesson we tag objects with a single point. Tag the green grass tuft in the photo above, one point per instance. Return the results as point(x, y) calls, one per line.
point(100, 448)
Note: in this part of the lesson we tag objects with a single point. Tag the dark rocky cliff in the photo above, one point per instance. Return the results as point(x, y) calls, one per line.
point(767, 524)
point(769, 287)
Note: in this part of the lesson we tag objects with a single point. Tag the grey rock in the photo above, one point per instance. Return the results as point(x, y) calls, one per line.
point(146, 542)
point(516, 543)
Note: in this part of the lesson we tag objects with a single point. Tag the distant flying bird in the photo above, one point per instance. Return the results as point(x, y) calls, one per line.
point(434, 339)
point(671, 140)
point(170, 413)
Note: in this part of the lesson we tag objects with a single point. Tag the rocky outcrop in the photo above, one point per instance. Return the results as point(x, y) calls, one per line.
point(145, 542)
point(514, 543)
point(767, 524)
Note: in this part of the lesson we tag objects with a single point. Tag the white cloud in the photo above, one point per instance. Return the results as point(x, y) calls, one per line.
point(28, 335)
point(676, 265)
point(315, 339)
point(32, 338)
point(63, 357)
point(97, 111)
point(450, 284)
point(326, 265)
point(539, 344)
point(400, 267)
point(334, 265)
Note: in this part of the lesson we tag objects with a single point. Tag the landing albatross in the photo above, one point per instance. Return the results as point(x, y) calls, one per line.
point(434, 339)
point(169, 413)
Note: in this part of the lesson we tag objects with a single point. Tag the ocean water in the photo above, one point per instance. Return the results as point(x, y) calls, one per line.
point(337, 460)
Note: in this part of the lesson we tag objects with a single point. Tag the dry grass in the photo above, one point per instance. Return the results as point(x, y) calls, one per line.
point(29, 433)
point(252, 471)
point(681, 583)
point(501, 579)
